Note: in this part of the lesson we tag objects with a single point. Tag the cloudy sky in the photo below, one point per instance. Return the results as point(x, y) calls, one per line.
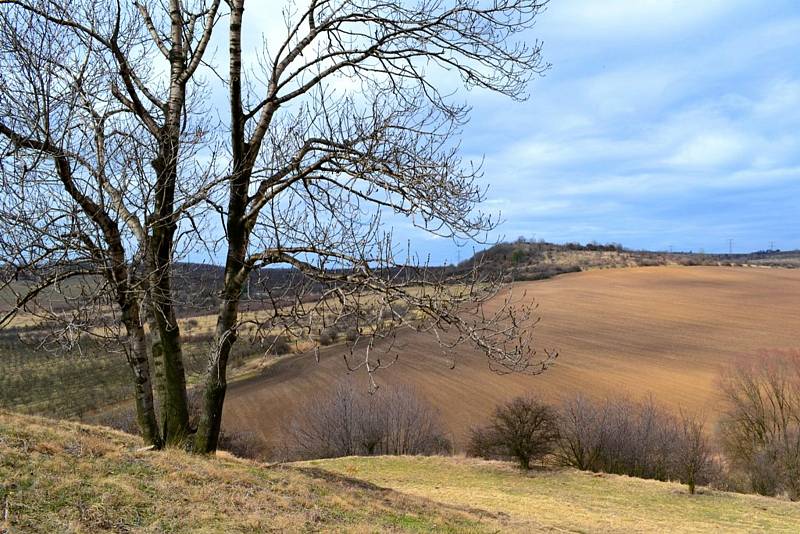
point(659, 124)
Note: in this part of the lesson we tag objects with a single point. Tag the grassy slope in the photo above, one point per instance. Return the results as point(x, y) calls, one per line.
point(65, 477)
point(570, 500)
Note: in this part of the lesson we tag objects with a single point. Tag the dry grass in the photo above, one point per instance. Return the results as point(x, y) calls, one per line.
point(71, 478)
point(569, 500)
point(660, 330)
point(65, 477)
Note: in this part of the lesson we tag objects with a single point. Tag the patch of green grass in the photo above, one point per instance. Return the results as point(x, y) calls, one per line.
point(85, 380)
point(569, 499)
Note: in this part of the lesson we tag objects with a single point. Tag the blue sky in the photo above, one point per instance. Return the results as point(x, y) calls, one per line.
point(659, 124)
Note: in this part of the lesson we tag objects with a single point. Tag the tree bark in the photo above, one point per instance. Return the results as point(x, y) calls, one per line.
point(207, 436)
point(166, 346)
point(143, 387)
point(156, 356)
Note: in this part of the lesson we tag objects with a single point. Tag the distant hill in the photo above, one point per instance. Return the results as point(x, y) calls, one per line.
point(534, 260)
point(197, 285)
point(65, 477)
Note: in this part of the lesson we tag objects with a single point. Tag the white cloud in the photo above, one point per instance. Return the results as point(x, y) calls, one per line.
point(711, 150)
point(631, 18)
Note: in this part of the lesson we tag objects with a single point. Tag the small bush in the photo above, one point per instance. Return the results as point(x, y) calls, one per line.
point(328, 336)
point(394, 311)
point(523, 429)
point(581, 434)
point(242, 444)
point(120, 419)
point(692, 460)
point(278, 345)
point(352, 334)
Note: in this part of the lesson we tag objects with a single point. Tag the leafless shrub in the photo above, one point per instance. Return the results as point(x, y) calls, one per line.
point(352, 334)
point(581, 434)
point(242, 444)
point(394, 311)
point(278, 345)
point(349, 421)
point(123, 420)
point(523, 429)
point(760, 428)
point(638, 439)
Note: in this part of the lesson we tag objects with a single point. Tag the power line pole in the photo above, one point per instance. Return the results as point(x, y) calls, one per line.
point(730, 246)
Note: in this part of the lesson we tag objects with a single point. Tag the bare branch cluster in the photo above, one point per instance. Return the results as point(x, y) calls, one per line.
point(117, 163)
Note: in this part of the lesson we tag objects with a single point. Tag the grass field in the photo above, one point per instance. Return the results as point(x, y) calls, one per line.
point(72, 478)
point(87, 379)
point(568, 500)
point(665, 331)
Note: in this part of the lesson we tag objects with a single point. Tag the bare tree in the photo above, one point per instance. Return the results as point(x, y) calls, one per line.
point(299, 172)
point(325, 165)
point(760, 429)
point(83, 102)
point(582, 433)
point(55, 228)
point(693, 455)
point(524, 429)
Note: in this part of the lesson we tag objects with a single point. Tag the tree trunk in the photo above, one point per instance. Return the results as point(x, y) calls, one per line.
point(157, 360)
point(208, 428)
point(167, 349)
point(143, 387)
point(175, 411)
point(207, 436)
point(174, 403)
point(174, 400)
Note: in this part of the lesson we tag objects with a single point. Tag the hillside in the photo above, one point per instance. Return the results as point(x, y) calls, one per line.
point(65, 477)
point(71, 478)
point(39, 376)
point(664, 331)
point(531, 260)
point(569, 500)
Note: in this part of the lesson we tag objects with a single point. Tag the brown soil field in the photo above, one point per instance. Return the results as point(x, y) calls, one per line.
point(665, 331)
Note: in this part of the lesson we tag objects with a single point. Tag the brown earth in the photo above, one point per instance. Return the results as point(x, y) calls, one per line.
point(665, 331)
